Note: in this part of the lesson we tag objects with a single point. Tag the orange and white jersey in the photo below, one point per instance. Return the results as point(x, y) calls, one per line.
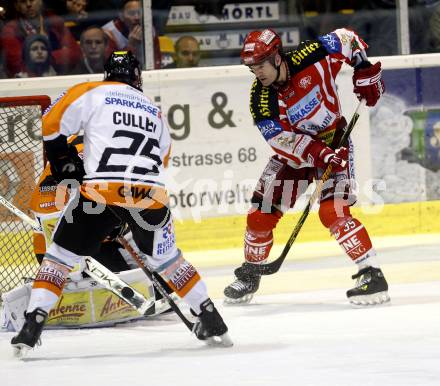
point(126, 141)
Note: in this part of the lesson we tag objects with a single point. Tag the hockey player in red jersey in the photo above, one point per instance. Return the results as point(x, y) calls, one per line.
point(295, 105)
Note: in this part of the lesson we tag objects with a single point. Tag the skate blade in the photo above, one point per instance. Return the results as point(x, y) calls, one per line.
point(370, 300)
point(220, 341)
point(246, 299)
point(21, 350)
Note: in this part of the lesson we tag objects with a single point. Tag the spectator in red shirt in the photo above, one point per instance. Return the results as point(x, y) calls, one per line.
point(31, 19)
point(126, 33)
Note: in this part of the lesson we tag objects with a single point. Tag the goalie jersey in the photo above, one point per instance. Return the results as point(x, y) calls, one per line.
point(126, 142)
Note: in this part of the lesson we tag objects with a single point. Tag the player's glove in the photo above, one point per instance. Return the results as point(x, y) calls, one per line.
point(337, 158)
point(69, 166)
point(368, 83)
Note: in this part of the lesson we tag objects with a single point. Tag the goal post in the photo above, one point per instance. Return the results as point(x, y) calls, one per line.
point(21, 163)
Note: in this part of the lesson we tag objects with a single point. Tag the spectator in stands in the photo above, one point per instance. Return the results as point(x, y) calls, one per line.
point(94, 43)
point(167, 51)
point(31, 20)
point(36, 57)
point(76, 17)
point(187, 53)
point(125, 32)
point(77, 7)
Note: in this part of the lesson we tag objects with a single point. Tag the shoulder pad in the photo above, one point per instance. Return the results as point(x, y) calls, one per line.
point(264, 102)
point(307, 53)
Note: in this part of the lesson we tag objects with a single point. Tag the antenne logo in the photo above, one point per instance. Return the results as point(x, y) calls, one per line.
point(67, 311)
point(112, 306)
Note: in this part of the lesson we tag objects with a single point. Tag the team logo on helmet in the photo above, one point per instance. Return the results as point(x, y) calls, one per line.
point(266, 36)
point(249, 47)
point(248, 60)
point(259, 46)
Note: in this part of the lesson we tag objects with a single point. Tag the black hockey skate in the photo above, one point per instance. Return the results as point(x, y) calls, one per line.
point(210, 327)
point(371, 288)
point(243, 288)
point(29, 334)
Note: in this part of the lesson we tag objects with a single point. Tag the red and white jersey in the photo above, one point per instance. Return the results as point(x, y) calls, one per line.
point(308, 103)
point(126, 140)
point(113, 29)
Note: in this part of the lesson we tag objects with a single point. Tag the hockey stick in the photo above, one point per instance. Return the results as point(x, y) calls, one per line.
point(13, 209)
point(156, 283)
point(274, 266)
point(97, 271)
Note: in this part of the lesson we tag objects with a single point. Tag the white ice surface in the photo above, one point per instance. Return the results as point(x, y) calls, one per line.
point(295, 338)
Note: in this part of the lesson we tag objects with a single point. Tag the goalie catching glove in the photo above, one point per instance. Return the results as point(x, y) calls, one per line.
point(368, 83)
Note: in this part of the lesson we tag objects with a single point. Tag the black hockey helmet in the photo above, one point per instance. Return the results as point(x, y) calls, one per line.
point(122, 66)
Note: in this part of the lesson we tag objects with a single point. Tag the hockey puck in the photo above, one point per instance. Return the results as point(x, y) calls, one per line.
point(127, 292)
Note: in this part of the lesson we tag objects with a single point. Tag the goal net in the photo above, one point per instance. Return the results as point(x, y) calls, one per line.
point(21, 162)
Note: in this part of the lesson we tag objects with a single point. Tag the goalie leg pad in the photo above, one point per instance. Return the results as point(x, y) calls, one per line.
point(258, 239)
point(14, 306)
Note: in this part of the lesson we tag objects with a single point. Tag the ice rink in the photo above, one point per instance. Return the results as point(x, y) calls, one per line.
point(298, 330)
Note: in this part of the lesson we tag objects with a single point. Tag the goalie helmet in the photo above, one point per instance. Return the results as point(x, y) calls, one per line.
point(122, 66)
point(260, 46)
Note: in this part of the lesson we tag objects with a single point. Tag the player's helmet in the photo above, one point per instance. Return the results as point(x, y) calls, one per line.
point(260, 46)
point(122, 66)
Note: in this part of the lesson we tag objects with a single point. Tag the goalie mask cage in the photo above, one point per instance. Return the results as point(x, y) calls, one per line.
point(21, 163)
